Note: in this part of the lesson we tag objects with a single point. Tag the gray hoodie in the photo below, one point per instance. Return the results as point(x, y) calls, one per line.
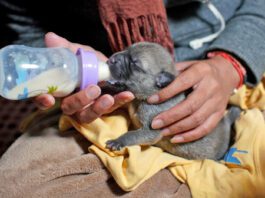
point(243, 36)
point(78, 20)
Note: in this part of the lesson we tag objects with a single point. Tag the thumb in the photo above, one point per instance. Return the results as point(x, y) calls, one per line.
point(53, 40)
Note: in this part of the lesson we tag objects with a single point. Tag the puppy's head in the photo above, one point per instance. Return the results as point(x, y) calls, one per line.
point(143, 68)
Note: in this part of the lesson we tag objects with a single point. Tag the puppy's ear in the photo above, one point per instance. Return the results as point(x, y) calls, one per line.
point(163, 79)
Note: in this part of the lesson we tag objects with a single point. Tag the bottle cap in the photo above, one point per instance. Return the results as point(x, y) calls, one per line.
point(89, 62)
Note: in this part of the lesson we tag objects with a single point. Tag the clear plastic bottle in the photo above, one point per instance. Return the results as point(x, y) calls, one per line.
point(27, 72)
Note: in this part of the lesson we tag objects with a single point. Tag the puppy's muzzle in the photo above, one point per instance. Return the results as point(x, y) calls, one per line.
point(119, 65)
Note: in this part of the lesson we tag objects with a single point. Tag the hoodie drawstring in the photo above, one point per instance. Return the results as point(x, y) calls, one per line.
point(198, 43)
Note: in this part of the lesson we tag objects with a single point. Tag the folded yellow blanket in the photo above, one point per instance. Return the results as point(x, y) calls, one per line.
point(240, 174)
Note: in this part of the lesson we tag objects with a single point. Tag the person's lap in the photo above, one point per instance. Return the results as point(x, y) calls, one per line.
point(48, 163)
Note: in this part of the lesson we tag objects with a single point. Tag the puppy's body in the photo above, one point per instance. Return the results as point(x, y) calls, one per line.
point(143, 69)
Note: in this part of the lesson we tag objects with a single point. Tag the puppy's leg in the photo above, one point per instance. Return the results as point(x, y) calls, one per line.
point(137, 137)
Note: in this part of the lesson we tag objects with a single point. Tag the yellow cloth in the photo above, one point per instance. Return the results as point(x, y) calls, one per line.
point(241, 174)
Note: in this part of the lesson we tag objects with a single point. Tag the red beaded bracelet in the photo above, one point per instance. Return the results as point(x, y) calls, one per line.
point(240, 70)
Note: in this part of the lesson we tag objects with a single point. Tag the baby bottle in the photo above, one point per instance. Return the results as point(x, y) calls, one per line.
point(26, 72)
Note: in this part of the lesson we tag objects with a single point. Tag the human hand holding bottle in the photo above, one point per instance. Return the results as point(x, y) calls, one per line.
point(88, 104)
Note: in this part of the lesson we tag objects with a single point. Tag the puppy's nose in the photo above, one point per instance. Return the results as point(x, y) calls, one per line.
point(118, 60)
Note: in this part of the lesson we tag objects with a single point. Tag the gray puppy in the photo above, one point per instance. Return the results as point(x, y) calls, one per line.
point(144, 68)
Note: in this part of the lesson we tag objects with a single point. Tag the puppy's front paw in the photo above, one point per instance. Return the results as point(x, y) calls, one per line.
point(114, 145)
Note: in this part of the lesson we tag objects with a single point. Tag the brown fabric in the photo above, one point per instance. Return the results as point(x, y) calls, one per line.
point(45, 163)
point(131, 21)
point(11, 114)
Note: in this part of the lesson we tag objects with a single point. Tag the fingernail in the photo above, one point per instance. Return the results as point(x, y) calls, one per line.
point(153, 99)
point(156, 124)
point(165, 132)
point(177, 139)
point(41, 106)
point(126, 100)
point(105, 104)
point(46, 102)
point(93, 91)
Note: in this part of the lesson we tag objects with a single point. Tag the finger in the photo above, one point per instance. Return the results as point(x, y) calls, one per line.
point(121, 99)
point(193, 121)
point(80, 100)
point(200, 131)
point(44, 101)
point(187, 107)
point(184, 65)
point(100, 107)
point(53, 40)
point(185, 80)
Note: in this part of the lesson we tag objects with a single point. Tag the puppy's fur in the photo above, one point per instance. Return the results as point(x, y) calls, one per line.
point(145, 68)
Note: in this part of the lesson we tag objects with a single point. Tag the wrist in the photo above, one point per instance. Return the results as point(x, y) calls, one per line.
point(240, 70)
point(226, 72)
